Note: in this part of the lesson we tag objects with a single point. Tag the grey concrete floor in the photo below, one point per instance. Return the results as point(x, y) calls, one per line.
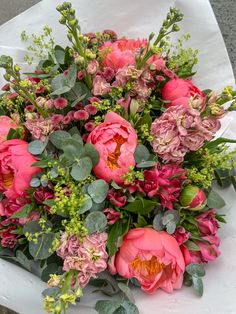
point(225, 11)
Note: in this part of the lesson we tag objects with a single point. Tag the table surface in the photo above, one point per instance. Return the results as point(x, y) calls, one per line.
point(225, 11)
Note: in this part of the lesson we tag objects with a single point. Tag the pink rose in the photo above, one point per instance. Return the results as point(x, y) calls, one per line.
point(116, 142)
point(179, 91)
point(157, 63)
point(121, 53)
point(208, 251)
point(112, 215)
point(207, 223)
point(116, 197)
point(6, 124)
point(153, 258)
point(8, 238)
point(165, 182)
point(181, 235)
point(16, 171)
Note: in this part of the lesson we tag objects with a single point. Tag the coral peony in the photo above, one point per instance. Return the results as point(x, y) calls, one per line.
point(115, 141)
point(16, 169)
point(6, 124)
point(153, 258)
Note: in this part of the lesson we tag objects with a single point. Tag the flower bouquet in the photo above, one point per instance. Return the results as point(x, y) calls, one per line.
point(108, 157)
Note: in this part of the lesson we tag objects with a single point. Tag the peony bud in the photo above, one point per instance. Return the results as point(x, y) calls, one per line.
point(193, 198)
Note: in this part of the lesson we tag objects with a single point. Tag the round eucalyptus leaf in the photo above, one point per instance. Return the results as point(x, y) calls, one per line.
point(141, 153)
point(95, 222)
point(98, 190)
point(37, 147)
point(81, 169)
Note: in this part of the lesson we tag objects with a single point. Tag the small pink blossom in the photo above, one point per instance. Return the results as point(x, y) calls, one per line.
point(81, 75)
point(85, 137)
point(92, 67)
point(6, 87)
point(67, 119)
point(8, 238)
point(89, 126)
point(108, 73)
point(160, 78)
point(60, 103)
point(81, 115)
point(112, 215)
point(100, 86)
point(12, 95)
point(91, 109)
point(56, 119)
point(181, 235)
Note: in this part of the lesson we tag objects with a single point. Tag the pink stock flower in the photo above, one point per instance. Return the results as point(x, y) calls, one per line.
point(156, 63)
point(81, 115)
point(60, 103)
point(92, 67)
point(121, 53)
point(177, 131)
point(88, 257)
point(207, 223)
point(16, 169)
point(112, 215)
point(6, 123)
point(116, 141)
point(153, 258)
point(178, 92)
point(208, 251)
point(181, 235)
point(40, 128)
point(116, 197)
point(108, 73)
point(100, 86)
point(164, 182)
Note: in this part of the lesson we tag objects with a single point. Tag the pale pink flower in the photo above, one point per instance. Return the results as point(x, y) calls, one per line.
point(40, 127)
point(100, 86)
point(92, 67)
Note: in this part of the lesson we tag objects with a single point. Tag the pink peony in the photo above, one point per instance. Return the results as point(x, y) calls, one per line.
point(207, 223)
point(193, 198)
point(88, 257)
point(209, 251)
point(153, 258)
point(16, 171)
point(164, 182)
point(6, 123)
point(121, 53)
point(116, 142)
point(112, 215)
point(178, 92)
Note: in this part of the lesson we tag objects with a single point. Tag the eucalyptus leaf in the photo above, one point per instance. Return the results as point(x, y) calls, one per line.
point(127, 292)
point(98, 190)
point(86, 205)
point(146, 164)
point(130, 307)
point(58, 138)
point(107, 306)
point(48, 270)
point(196, 270)
point(61, 91)
point(41, 249)
point(59, 54)
point(95, 222)
point(35, 182)
point(170, 227)
point(81, 169)
point(37, 147)
point(198, 285)
point(214, 200)
point(92, 153)
point(157, 222)
point(22, 259)
point(141, 206)
point(141, 154)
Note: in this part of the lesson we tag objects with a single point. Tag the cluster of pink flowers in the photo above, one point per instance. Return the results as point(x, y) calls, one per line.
point(181, 129)
point(88, 257)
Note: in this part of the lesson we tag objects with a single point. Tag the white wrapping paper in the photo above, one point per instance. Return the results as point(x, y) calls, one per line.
point(21, 290)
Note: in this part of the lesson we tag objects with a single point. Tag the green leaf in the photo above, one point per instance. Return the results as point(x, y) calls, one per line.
point(58, 138)
point(72, 149)
point(82, 169)
point(220, 219)
point(141, 206)
point(70, 79)
point(214, 200)
point(129, 307)
point(141, 153)
point(198, 285)
point(192, 246)
point(218, 141)
point(59, 54)
point(127, 292)
point(35, 182)
point(167, 218)
point(82, 92)
point(13, 134)
point(37, 147)
point(170, 227)
point(41, 163)
point(146, 164)
point(157, 222)
point(92, 153)
point(87, 204)
point(48, 270)
point(24, 212)
point(233, 181)
point(61, 91)
point(41, 249)
point(95, 222)
point(23, 260)
point(32, 227)
point(106, 306)
point(116, 234)
point(196, 270)
point(106, 283)
point(98, 190)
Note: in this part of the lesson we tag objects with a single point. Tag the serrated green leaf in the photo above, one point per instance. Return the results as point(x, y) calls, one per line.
point(98, 190)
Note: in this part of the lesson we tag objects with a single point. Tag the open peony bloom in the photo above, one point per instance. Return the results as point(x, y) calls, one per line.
point(6, 123)
point(121, 53)
point(179, 91)
point(15, 168)
point(153, 258)
point(115, 141)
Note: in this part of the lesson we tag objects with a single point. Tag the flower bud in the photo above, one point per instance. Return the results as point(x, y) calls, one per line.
point(193, 198)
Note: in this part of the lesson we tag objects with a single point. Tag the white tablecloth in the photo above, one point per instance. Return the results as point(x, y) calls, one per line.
point(19, 289)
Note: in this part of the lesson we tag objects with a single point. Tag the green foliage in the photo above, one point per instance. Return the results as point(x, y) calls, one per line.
point(98, 190)
point(24, 212)
point(196, 272)
point(116, 234)
point(141, 206)
point(214, 200)
point(115, 307)
point(167, 220)
point(37, 147)
point(95, 222)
